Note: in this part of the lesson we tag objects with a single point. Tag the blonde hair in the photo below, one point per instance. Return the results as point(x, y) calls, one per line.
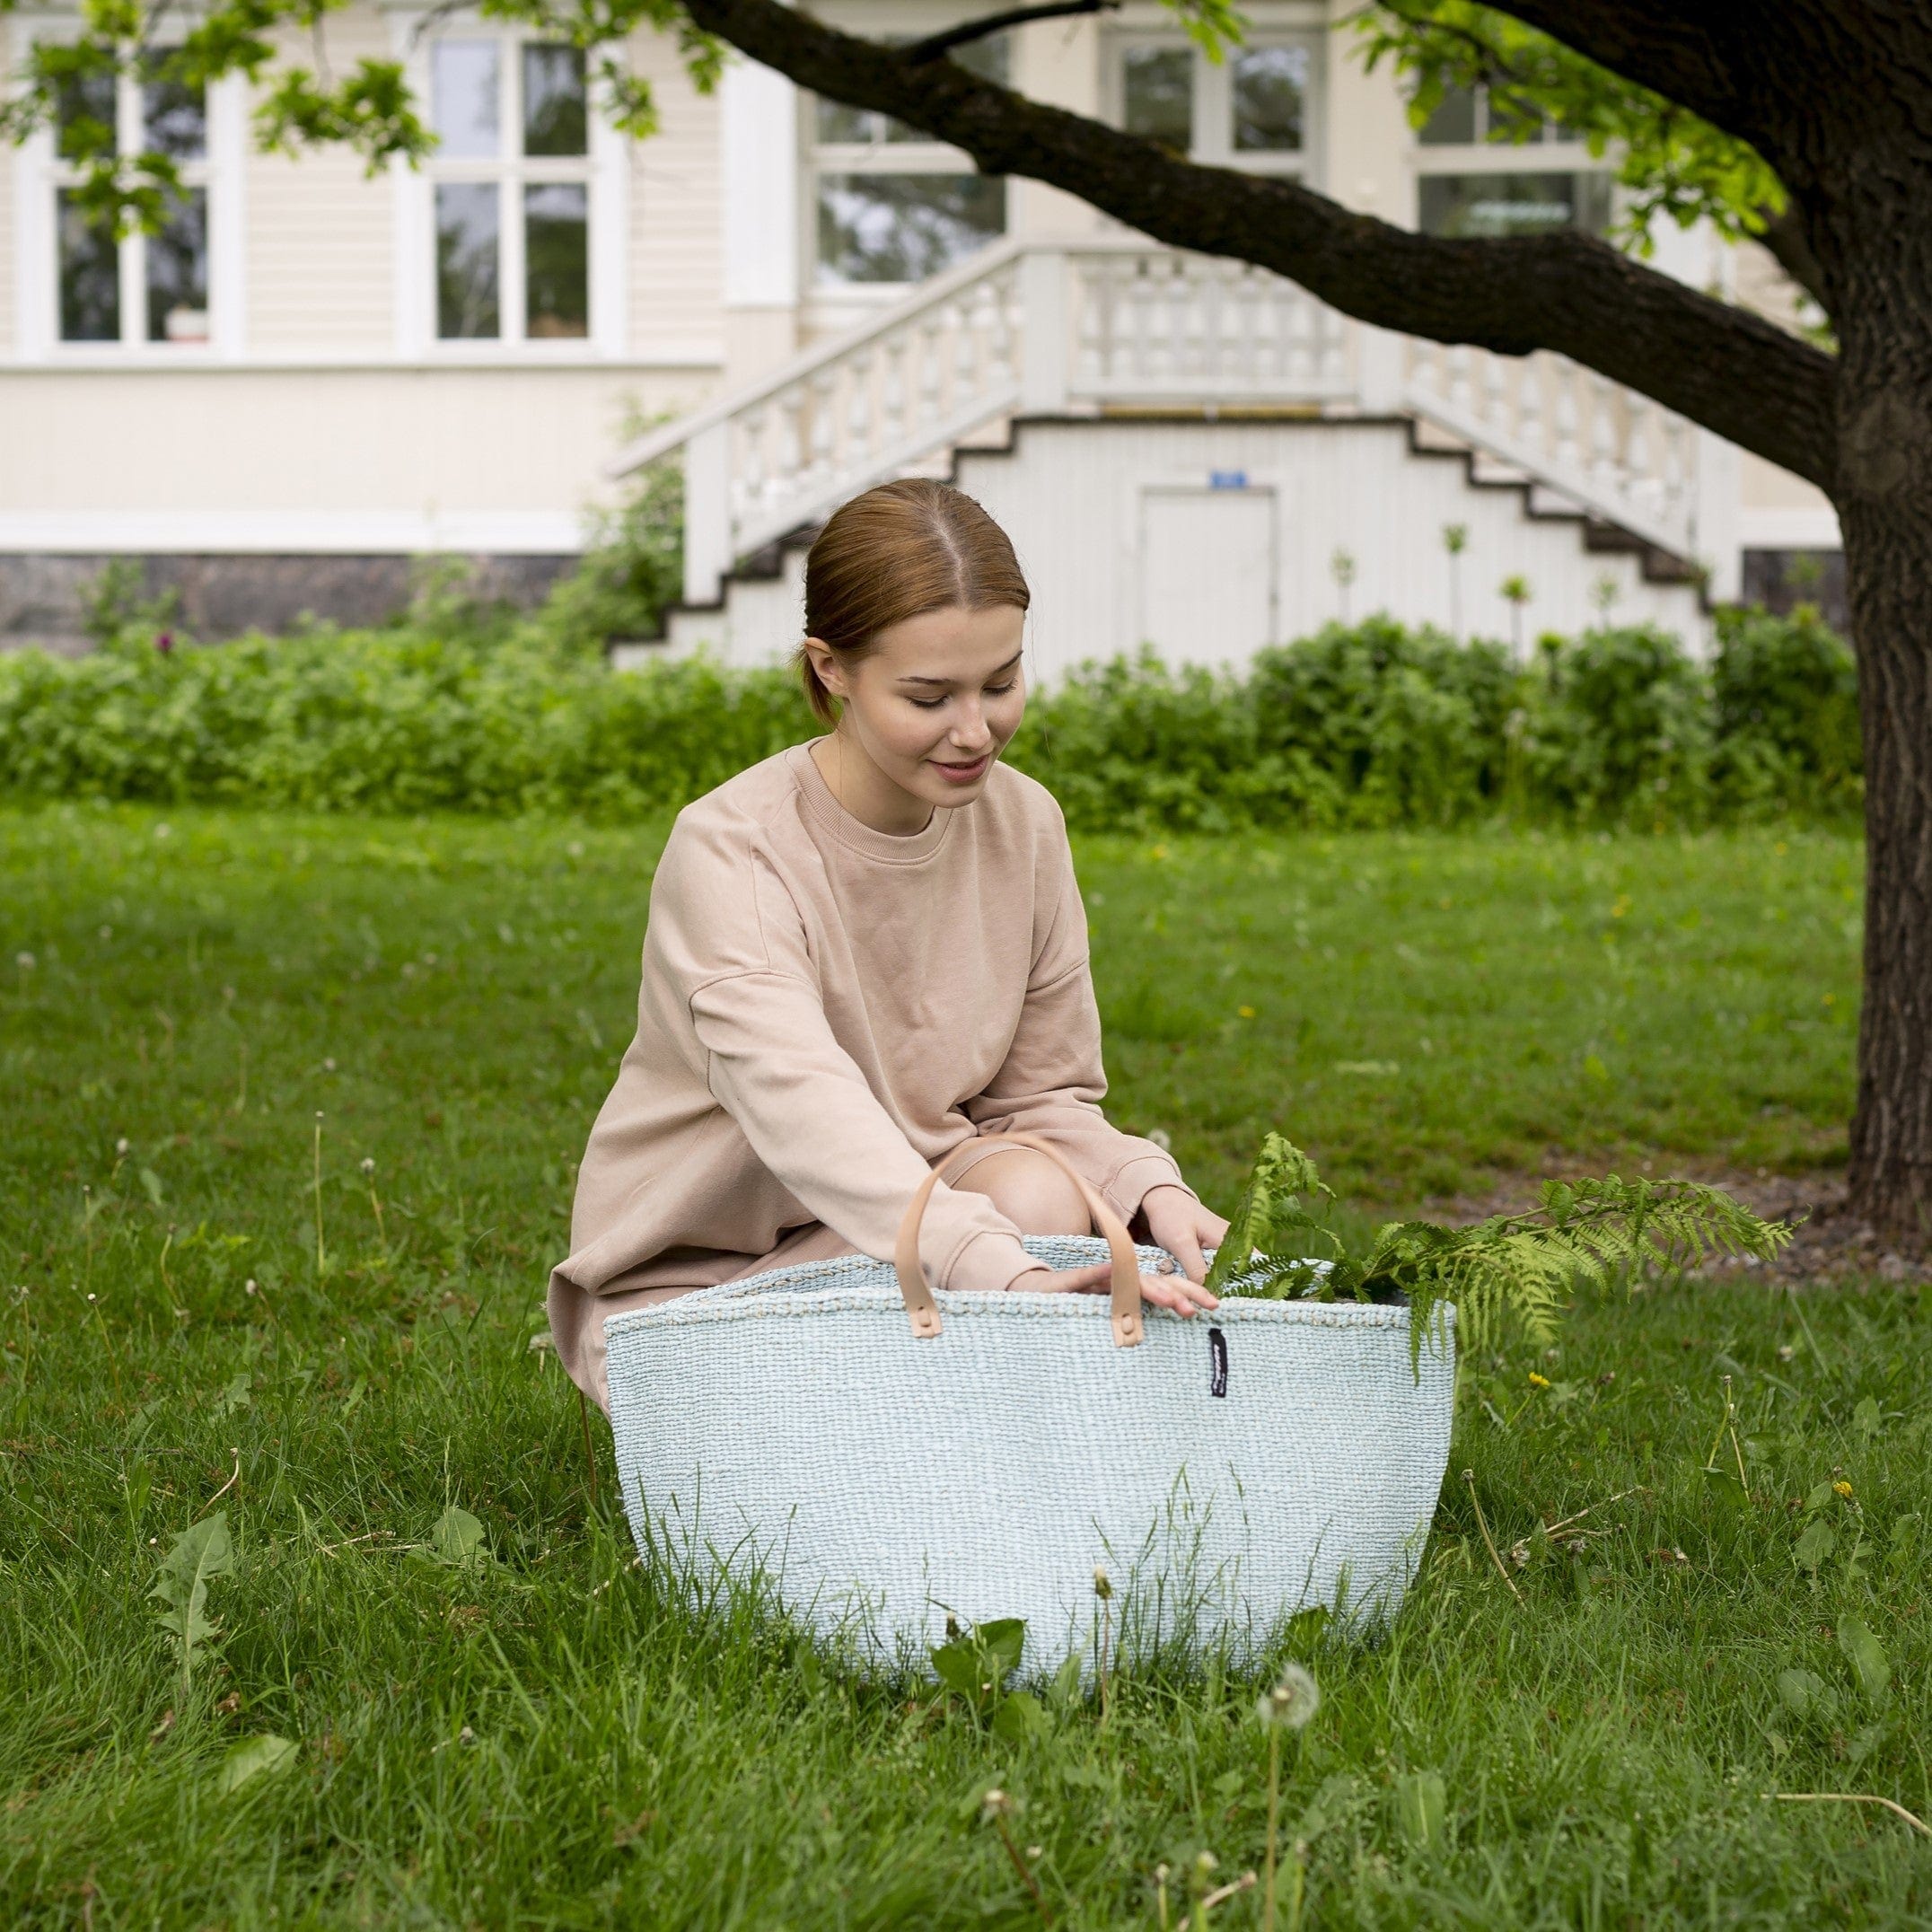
point(897, 552)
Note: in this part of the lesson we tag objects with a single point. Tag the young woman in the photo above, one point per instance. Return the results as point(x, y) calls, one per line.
point(863, 955)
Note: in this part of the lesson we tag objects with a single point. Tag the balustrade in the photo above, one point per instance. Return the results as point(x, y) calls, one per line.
point(1083, 326)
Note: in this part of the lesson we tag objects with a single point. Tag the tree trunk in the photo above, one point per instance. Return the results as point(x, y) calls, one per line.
point(1888, 566)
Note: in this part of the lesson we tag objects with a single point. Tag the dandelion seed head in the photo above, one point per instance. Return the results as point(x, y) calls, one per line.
point(107, 932)
point(328, 1066)
point(368, 1166)
point(1292, 1701)
point(995, 1804)
point(24, 960)
point(122, 1147)
point(248, 1286)
point(1103, 1583)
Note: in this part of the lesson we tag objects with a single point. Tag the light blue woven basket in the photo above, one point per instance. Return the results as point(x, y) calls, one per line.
point(1227, 1471)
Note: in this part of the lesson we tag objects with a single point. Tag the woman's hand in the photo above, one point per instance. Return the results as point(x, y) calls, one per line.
point(1177, 1222)
point(1174, 1292)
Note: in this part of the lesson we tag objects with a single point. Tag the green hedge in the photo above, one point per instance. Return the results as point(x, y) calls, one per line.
point(1368, 725)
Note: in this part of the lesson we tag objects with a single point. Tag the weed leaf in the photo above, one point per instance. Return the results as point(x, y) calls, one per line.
point(198, 1555)
point(1867, 1655)
point(255, 1757)
point(458, 1537)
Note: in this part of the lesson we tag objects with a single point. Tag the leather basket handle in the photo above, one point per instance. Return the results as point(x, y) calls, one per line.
point(1128, 1322)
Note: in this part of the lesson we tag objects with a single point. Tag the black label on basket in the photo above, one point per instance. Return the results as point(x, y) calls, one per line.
point(1217, 1362)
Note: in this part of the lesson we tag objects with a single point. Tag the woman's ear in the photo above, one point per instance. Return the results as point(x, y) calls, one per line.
point(826, 667)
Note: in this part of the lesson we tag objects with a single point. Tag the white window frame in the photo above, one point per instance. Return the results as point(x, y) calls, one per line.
point(1213, 110)
point(40, 174)
point(1551, 153)
point(603, 170)
point(816, 157)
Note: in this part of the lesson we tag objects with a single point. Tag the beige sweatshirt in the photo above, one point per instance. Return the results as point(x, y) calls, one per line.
point(827, 1010)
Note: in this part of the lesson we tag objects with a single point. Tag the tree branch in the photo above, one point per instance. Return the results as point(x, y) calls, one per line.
point(1690, 51)
point(937, 45)
point(1754, 76)
point(1785, 236)
point(1721, 366)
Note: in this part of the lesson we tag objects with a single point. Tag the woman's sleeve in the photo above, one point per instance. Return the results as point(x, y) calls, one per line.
point(1052, 1081)
point(803, 1105)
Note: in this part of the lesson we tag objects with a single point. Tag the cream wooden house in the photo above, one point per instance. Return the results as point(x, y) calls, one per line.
point(314, 377)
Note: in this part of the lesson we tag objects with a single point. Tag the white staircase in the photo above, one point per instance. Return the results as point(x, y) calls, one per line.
point(1222, 371)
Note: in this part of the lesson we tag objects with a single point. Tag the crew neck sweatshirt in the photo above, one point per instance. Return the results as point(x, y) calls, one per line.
point(826, 1012)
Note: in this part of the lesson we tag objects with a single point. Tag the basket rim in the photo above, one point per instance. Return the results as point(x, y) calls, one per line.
point(764, 1297)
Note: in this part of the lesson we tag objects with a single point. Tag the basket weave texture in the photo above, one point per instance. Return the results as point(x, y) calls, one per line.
point(792, 1421)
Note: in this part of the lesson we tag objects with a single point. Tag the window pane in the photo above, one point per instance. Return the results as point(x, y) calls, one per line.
point(1158, 95)
point(556, 259)
point(1486, 204)
point(466, 259)
point(1454, 123)
point(174, 117)
point(88, 125)
point(178, 273)
point(904, 228)
point(463, 91)
point(1271, 84)
point(90, 276)
point(554, 120)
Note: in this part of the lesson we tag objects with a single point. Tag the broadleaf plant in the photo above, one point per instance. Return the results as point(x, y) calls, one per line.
point(198, 1555)
point(1509, 1272)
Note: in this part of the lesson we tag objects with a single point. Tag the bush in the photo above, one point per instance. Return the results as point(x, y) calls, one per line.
point(461, 709)
point(1619, 731)
point(1785, 693)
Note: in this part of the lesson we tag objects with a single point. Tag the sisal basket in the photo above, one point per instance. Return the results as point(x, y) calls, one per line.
point(980, 1459)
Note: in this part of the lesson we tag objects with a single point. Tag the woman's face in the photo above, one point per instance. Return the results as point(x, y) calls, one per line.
point(931, 706)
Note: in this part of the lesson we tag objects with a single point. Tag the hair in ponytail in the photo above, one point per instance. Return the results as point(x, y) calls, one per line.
point(897, 552)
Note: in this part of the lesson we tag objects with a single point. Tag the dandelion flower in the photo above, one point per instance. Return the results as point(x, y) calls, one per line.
point(1538, 1381)
point(1292, 1701)
point(1842, 1488)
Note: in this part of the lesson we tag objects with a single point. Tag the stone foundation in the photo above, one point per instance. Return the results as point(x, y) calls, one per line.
point(44, 598)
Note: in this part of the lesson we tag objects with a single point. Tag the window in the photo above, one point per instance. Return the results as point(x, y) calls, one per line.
point(1255, 109)
point(511, 183)
point(888, 204)
point(1509, 177)
point(144, 288)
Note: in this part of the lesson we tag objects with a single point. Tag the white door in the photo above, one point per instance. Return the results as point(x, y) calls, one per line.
point(1207, 573)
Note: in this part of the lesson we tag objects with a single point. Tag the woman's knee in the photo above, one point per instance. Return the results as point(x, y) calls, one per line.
point(1029, 1190)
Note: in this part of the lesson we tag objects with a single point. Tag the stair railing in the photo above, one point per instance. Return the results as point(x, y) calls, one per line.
point(1089, 326)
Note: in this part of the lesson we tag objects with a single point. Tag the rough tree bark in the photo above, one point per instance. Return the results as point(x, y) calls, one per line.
point(1836, 94)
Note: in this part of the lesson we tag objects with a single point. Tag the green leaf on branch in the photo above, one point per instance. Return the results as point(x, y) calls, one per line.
point(1669, 161)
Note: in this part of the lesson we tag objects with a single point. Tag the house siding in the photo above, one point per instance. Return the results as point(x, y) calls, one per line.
point(320, 268)
point(9, 175)
point(677, 265)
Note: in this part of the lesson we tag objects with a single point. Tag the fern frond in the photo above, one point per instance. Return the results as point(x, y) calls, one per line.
point(1510, 1272)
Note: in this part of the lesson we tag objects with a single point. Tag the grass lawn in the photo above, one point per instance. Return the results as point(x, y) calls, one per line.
point(536, 1735)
